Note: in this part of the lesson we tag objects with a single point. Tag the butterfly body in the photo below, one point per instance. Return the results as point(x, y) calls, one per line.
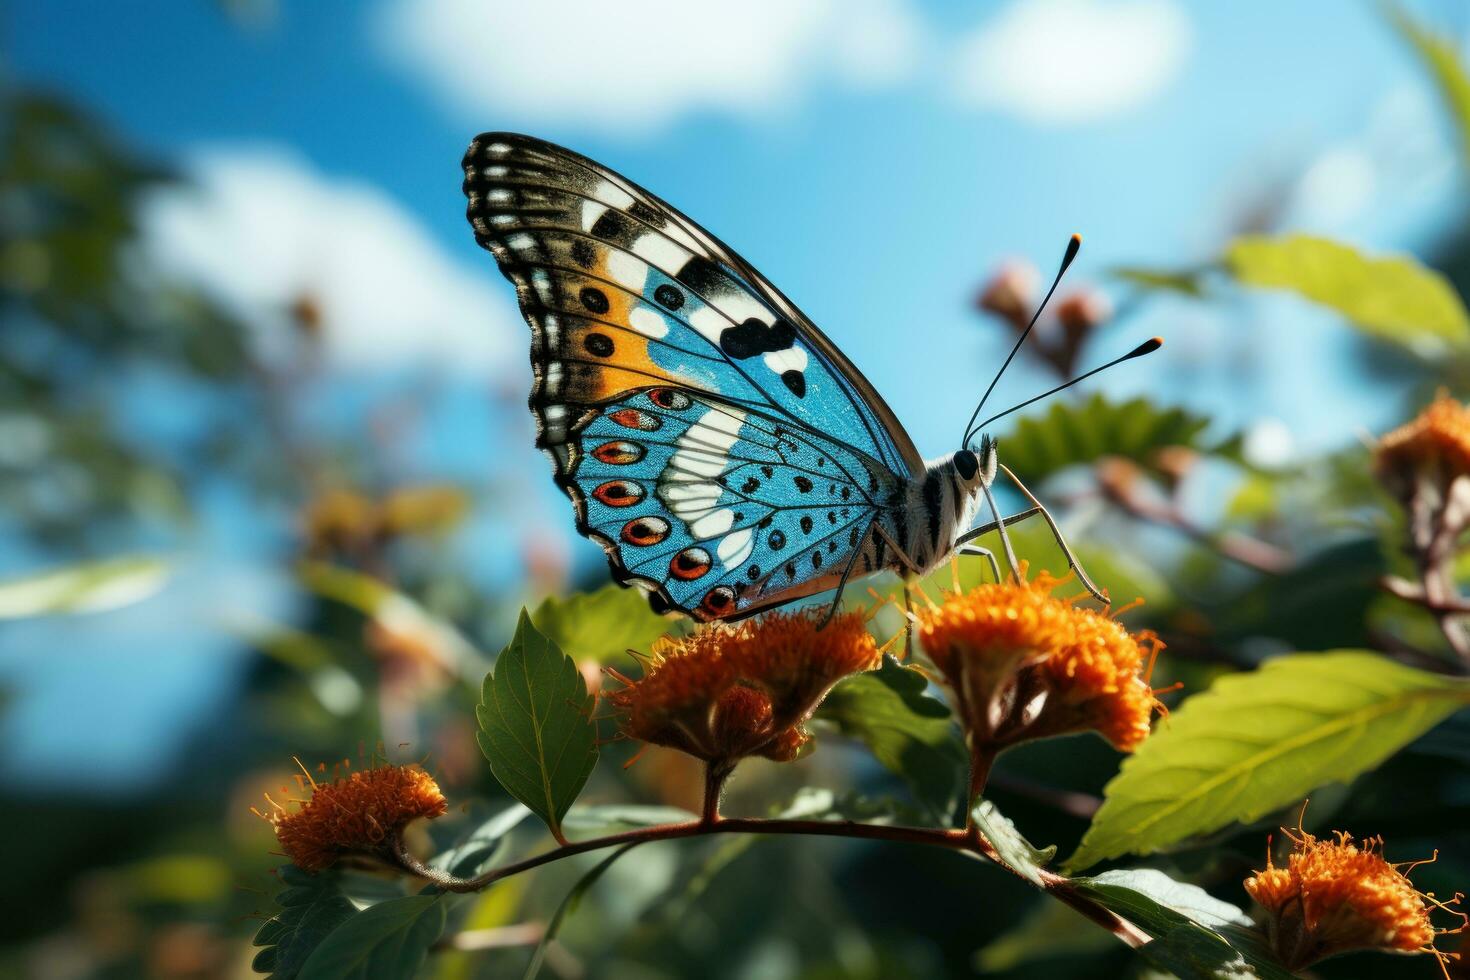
point(724, 453)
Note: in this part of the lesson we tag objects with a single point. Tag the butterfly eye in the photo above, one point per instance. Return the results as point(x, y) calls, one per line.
point(966, 463)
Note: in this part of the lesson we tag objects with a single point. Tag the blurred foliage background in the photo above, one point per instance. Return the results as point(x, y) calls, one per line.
point(141, 413)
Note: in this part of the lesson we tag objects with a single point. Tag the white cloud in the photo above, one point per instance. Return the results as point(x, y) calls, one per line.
point(262, 229)
point(1068, 61)
point(636, 64)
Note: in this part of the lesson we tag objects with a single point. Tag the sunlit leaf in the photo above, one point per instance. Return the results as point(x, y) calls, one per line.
point(912, 734)
point(390, 939)
point(568, 906)
point(1258, 741)
point(86, 588)
point(1441, 57)
point(1014, 850)
point(1196, 936)
point(602, 625)
point(536, 725)
point(1070, 433)
point(1394, 298)
point(311, 907)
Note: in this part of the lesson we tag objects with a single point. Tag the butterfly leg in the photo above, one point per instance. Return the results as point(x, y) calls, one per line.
point(1005, 539)
point(986, 553)
point(1056, 531)
point(910, 571)
point(985, 529)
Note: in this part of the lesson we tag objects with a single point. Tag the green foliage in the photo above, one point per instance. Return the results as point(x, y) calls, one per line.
point(89, 587)
point(468, 857)
point(568, 906)
point(1013, 850)
point(1051, 930)
point(1394, 299)
point(390, 939)
point(610, 816)
point(1259, 741)
point(1082, 432)
point(602, 625)
point(1196, 936)
point(536, 724)
point(1441, 58)
point(1189, 282)
point(912, 734)
point(311, 907)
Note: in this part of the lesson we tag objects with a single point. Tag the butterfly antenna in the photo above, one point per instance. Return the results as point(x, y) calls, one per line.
point(1073, 245)
point(1147, 347)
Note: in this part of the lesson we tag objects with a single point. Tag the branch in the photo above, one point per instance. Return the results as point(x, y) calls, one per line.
point(963, 841)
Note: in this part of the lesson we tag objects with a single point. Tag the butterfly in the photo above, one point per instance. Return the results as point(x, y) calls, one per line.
point(724, 453)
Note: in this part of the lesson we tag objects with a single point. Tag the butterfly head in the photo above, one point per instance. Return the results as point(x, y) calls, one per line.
point(977, 467)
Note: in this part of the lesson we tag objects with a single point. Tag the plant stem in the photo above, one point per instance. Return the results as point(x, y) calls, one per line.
point(982, 757)
point(962, 841)
point(715, 774)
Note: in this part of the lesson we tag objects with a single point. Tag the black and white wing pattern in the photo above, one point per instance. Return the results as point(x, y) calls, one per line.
point(722, 451)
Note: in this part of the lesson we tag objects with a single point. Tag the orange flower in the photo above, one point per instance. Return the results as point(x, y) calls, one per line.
point(1024, 665)
point(730, 691)
point(360, 813)
point(1335, 896)
point(1437, 440)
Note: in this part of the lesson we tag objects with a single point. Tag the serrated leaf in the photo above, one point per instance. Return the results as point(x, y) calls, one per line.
point(569, 905)
point(1394, 298)
point(466, 858)
point(1082, 432)
point(536, 724)
point(1441, 57)
point(602, 625)
point(311, 907)
point(1259, 741)
point(89, 587)
point(1014, 850)
point(912, 734)
point(390, 939)
point(1196, 936)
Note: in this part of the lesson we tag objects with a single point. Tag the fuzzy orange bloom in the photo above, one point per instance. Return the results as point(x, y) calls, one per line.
point(1024, 665)
point(1334, 896)
point(360, 813)
point(730, 691)
point(1438, 439)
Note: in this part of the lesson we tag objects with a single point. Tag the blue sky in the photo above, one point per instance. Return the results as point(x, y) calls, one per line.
point(876, 158)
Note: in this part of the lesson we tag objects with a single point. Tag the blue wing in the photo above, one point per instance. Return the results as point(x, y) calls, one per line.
point(628, 299)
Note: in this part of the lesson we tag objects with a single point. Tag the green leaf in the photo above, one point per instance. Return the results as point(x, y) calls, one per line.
point(1259, 741)
point(466, 858)
point(1081, 432)
point(536, 724)
point(1196, 936)
point(609, 815)
point(603, 625)
point(1014, 851)
point(912, 734)
point(569, 905)
point(390, 939)
point(311, 907)
point(1442, 59)
point(1190, 901)
point(1189, 282)
point(89, 587)
point(1395, 299)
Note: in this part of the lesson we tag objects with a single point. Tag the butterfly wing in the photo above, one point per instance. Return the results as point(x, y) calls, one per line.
point(627, 298)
